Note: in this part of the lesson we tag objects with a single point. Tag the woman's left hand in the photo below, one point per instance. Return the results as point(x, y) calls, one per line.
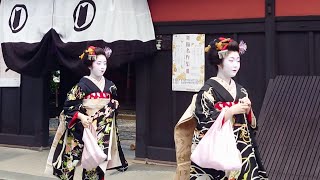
point(116, 103)
point(247, 101)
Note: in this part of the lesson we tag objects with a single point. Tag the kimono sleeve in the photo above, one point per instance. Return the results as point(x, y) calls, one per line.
point(73, 104)
point(205, 111)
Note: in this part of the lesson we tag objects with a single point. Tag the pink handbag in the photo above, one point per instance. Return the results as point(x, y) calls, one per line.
point(218, 149)
point(92, 155)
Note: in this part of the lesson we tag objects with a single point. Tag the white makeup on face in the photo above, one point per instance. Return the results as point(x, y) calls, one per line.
point(99, 67)
point(230, 65)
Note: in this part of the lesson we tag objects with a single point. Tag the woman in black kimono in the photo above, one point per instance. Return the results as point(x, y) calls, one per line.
point(217, 93)
point(92, 100)
point(222, 92)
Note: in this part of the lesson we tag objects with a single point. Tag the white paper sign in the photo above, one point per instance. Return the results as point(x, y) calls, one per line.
point(188, 61)
point(9, 78)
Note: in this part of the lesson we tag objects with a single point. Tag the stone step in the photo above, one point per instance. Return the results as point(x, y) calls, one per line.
point(127, 114)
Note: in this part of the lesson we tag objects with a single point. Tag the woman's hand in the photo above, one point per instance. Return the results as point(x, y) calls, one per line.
point(85, 120)
point(114, 104)
point(239, 108)
point(247, 101)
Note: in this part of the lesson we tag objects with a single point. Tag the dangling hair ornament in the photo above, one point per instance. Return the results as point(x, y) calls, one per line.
point(81, 56)
point(242, 47)
point(107, 52)
point(206, 49)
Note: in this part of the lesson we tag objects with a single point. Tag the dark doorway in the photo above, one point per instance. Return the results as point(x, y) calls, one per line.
point(124, 78)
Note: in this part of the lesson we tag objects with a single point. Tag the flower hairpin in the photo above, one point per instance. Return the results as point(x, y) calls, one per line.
point(107, 52)
point(242, 47)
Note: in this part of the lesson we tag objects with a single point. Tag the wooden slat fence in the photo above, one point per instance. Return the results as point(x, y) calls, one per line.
point(289, 128)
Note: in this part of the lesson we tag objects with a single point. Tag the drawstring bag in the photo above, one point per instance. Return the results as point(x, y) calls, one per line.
point(218, 148)
point(92, 155)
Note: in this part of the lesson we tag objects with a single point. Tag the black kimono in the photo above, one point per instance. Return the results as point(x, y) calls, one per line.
point(214, 96)
point(87, 98)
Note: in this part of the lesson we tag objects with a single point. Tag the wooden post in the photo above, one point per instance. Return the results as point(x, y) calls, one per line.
point(311, 53)
point(142, 107)
point(270, 32)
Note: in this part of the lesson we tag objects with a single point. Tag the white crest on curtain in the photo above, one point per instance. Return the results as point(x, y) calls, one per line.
point(76, 21)
point(113, 20)
point(29, 20)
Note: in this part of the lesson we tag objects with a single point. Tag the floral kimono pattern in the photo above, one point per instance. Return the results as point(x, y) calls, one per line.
point(67, 148)
point(210, 100)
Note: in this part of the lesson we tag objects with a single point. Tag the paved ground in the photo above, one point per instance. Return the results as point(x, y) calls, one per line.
point(24, 164)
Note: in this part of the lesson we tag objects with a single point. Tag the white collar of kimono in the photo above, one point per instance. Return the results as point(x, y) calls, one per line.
point(231, 88)
point(100, 84)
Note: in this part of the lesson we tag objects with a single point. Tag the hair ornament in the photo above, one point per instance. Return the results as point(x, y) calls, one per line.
point(107, 52)
point(206, 49)
point(81, 56)
point(222, 46)
point(223, 53)
point(242, 47)
point(91, 53)
point(223, 43)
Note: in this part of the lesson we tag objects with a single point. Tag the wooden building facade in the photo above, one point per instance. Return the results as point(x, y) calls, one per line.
point(281, 39)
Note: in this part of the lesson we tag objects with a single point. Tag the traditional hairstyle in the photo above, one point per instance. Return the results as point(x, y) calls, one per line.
point(218, 49)
point(90, 54)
